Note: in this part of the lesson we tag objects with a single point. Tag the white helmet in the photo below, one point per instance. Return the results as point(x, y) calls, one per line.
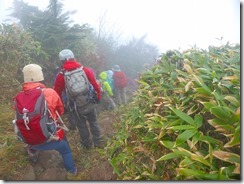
point(33, 73)
point(66, 54)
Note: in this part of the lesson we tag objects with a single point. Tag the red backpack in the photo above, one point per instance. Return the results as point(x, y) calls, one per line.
point(120, 80)
point(33, 121)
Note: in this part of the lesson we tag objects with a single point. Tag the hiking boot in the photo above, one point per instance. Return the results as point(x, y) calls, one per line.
point(100, 144)
point(71, 176)
point(78, 170)
point(86, 146)
point(33, 154)
point(33, 159)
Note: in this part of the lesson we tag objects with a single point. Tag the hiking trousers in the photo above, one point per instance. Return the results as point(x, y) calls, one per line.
point(120, 94)
point(62, 146)
point(109, 101)
point(85, 122)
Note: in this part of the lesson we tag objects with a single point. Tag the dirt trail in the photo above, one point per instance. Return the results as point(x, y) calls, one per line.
point(91, 164)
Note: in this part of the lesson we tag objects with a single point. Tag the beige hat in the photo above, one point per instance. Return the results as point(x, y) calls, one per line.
point(33, 73)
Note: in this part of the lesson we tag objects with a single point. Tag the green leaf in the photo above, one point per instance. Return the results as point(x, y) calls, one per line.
point(210, 152)
point(139, 126)
point(193, 109)
point(143, 83)
point(175, 154)
point(167, 144)
point(186, 162)
point(208, 105)
point(233, 100)
point(217, 123)
point(113, 162)
point(198, 174)
point(175, 122)
point(223, 113)
point(203, 87)
point(168, 156)
point(146, 139)
point(235, 140)
point(195, 138)
point(189, 172)
point(202, 90)
point(209, 140)
point(204, 70)
point(198, 120)
point(185, 136)
point(183, 116)
point(200, 159)
point(182, 127)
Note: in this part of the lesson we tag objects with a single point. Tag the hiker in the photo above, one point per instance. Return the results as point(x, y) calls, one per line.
point(41, 133)
point(71, 125)
point(110, 79)
point(120, 83)
point(83, 93)
point(107, 92)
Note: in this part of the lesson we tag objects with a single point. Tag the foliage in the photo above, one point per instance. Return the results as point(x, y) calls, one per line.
point(53, 29)
point(184, 121)
point(17, 48)
point(13, 159)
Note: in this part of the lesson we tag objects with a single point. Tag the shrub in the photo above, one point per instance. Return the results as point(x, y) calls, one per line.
point(184, 123)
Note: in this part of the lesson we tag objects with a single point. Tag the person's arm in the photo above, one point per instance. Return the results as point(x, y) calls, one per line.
point(93, 82)
point(59, 84)
point(108, 88)
point(54, 102)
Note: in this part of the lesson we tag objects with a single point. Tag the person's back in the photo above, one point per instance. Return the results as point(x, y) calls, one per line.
point(105, 84)
point(110, 79)
point(33, 90)
point(83, 104)
point(120, 83)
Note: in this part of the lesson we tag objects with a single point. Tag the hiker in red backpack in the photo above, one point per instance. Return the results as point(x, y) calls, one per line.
point(83, 93)
point(120, 83)
point(37, 110)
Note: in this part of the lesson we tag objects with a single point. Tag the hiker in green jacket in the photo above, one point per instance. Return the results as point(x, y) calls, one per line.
point(107, 92)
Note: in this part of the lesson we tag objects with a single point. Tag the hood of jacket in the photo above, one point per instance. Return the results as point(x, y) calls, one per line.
point(103, 76)
point(31, 85)
point(71, 65)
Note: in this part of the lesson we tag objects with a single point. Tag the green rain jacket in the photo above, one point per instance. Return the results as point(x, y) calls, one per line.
point(105, 85)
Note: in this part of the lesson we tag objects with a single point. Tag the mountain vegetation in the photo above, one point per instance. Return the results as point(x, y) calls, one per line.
point(182, 122)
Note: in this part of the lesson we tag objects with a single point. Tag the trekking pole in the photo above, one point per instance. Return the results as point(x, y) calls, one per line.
point(64, 126)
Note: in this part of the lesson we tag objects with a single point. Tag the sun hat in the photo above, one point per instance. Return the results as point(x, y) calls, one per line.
point(33, 73)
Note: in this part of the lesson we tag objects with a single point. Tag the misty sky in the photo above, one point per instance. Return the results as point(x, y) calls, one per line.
point(169, 24)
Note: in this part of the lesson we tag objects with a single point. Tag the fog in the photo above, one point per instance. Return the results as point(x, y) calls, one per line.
point(178, 24)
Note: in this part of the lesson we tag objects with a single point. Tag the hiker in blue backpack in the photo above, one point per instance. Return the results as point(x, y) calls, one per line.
point(110, 79)
point(83, 93)
point(37, 112)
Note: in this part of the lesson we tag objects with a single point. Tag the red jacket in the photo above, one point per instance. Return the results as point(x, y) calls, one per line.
point(59, 84)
